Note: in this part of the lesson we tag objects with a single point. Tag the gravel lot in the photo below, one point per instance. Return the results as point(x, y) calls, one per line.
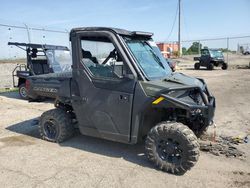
point(28, 161)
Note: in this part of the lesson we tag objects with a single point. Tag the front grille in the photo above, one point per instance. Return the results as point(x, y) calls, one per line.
point(196, 96)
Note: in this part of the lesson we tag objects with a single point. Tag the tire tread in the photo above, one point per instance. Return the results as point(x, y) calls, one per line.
point(176, 129)
point(66, 129)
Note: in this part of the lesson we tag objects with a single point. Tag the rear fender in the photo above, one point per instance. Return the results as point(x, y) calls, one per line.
point(21, 81)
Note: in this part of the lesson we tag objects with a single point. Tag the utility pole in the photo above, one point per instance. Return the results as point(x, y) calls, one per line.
point(227, 48)
point(179, 30)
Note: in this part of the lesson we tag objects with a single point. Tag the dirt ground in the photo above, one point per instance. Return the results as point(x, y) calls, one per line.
point(28, 161)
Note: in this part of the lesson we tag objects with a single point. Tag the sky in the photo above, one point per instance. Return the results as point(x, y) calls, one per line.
point(200, 18)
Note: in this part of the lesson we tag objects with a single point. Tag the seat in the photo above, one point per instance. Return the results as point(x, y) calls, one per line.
point(40, 66)
point(88, 55)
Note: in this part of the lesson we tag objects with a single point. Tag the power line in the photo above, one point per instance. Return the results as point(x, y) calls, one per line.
point(172, 28)
point(185, 23)
point(213, 39)
point(219, 38)
point(33, 28)
point(179, 29)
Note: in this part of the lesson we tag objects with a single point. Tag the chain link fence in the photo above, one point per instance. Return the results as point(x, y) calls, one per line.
point(26, 33)
point(235, 49)
point(232, 47)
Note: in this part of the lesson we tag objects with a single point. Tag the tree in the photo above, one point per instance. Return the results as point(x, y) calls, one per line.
point(241, 49)
point(184, 51)
point(194, 48)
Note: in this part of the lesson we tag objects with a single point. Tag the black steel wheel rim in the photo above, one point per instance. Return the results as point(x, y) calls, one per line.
point(23, 92)
point(169, 150)
point(50, 129)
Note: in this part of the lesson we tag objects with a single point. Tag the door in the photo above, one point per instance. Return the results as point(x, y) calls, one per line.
point(205, 57)
point(104, 96)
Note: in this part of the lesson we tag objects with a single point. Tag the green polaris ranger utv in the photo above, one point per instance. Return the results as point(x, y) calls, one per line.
point(122, 89)
point(210, 58)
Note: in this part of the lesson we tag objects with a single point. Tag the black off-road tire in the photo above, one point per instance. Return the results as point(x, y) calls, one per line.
point(167, 138)
point(56, 125)
point(201, 132)
point(197, 66)
point(224, 66)
point(210, 66)
point(23, 93)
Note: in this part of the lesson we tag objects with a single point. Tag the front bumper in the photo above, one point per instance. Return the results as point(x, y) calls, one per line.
point(206, 110)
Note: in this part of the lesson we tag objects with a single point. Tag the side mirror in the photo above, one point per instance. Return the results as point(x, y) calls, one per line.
point(120, 70)
point(129, 76)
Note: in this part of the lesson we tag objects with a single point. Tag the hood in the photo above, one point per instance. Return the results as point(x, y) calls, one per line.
point(217, 58)
point(175, 80)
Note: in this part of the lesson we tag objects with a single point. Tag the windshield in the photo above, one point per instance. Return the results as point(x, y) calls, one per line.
point(59, 60)
point(216, 53)
point(149, 58)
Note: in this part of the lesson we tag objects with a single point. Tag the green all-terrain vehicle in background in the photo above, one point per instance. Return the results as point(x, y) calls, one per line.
point(122, 89)
point(210, 58)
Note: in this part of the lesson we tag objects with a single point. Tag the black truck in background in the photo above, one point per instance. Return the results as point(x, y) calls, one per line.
point(121, 89)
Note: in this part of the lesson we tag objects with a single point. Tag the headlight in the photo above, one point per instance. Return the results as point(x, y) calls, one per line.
point(195, 111)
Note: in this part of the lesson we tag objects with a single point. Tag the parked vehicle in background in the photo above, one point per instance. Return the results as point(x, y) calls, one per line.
point(246, 51)
point(40, 59)
point(121, 89)
point(210, 58)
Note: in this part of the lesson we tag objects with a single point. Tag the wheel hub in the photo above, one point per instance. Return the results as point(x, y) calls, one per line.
point(50, 129)
point(23, 92)
point(169, 151)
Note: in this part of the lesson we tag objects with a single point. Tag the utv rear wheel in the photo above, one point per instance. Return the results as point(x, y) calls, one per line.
point(210, 66)
point(172, 147)
point(197, 66)
point(56, 126)
point(23, 91)
point(224, 66)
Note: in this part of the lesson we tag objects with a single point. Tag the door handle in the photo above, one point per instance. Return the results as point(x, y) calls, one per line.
point(75, 98)
point(124, 98)
point(79, 99)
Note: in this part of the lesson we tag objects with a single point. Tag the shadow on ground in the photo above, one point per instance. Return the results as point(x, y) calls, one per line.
point(12, 95)
point(131, 153)
point(202, 69)
point(15, 95)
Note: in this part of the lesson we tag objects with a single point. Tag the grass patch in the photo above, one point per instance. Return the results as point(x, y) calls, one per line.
point(4, 90)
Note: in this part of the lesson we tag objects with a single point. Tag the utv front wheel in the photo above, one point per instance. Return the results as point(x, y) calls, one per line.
point(55, 125)
point(210, 66)
point(172, 147)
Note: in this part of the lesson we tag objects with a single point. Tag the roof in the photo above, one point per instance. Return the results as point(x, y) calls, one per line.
point(43, 46)
point(114, 30)
point(211, 49)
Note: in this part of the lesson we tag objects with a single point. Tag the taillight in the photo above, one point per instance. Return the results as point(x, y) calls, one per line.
point(27, 85)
